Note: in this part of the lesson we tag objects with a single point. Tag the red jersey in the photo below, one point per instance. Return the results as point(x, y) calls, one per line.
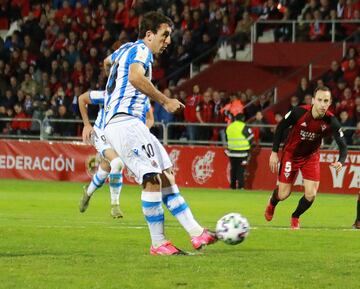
point(306, 134)
point(190, 108)
point(206, 111)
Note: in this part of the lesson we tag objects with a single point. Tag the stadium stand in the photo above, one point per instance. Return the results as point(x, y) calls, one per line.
point(51, 51)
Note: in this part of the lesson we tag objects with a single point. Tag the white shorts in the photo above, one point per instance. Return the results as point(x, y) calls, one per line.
point(141, 151)
point(99, 141)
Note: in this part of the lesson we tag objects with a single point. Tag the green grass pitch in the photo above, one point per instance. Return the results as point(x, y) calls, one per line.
point(46, 243)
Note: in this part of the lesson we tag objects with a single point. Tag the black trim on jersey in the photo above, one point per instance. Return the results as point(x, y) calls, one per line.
point(339, 138)
point(290, 119)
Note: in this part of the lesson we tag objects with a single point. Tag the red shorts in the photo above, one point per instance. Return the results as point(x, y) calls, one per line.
point(290, 166)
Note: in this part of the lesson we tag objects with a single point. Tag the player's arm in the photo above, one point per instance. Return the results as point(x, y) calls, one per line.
point(150, 118)
point(83, 101)
point(289, 119)
point(107, 65)
point(340, 140)
point(140, 82)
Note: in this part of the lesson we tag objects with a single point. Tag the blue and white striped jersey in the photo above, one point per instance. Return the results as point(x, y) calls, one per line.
point(121, 96)
point(97, 97)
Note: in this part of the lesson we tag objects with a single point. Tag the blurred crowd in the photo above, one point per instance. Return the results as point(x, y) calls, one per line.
point(56, 49)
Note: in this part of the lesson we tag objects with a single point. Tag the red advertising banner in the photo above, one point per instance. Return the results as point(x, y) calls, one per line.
point(193, 166)
point(40, 160)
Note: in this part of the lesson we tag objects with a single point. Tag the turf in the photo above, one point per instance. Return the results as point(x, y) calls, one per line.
point(46, 243)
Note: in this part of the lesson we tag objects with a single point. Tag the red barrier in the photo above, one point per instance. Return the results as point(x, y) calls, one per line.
point(193, 166)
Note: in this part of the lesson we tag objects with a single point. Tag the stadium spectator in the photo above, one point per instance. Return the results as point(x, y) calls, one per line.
point(218, 133)
point(346, 103)
point(204, 114)
point(332, 76)
point(63, 128)
point(283, 32)
point(351, 72)
point(19, 126)
point(242, 31)
point(356, 87)
point(234, 107)
point(303, 89)
point(307, 99)
point(346, 121)
point(294, 102)
point(317, 29)
point(357, 109)
point(161, 115)
point(264, 133)
point(2, 115)
point(191, 103)
point(356, 135)
point(338, 91)
point(8, 100)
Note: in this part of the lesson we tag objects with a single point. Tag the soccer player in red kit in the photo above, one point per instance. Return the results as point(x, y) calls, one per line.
point(310, 123)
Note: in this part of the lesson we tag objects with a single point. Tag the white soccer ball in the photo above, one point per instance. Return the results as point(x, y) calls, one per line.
point(232, 228)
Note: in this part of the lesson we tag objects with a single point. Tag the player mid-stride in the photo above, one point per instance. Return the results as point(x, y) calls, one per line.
point(128, 89)
point(310, 123)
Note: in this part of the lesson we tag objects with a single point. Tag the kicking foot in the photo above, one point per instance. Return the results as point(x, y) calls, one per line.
point(206, 238)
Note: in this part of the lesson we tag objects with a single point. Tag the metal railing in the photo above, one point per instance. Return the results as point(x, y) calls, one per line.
point(295, 24)
point(164, 132)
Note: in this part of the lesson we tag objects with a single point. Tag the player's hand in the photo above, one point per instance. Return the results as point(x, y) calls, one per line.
point(86, 133)
point(337, 166)
point(172, 105)
point(273, 162)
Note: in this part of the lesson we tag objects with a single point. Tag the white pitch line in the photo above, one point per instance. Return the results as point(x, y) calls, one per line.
point(137, 227)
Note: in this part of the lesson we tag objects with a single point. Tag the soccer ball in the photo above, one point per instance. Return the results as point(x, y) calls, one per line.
point(232, 228)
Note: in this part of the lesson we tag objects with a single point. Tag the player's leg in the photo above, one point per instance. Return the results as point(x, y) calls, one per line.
point(96, 182)
point(179, 208)
point(287, 173)
point(116, 181)
point(281, 193)
point(154, 215)
point(357, 221)
point(132, 141)
point(311, 187)
point(174, 201)
point(310, 170)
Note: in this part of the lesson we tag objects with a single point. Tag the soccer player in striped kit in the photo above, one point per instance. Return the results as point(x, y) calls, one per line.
point(127, 91)
point(110, 165)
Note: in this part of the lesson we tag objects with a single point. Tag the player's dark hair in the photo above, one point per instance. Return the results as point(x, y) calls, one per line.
point(321, 88)
point(152, 21)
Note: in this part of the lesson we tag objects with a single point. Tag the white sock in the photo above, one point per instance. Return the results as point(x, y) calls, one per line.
point(115, 187)
point(116, 180)
point(97, 181)
point(154, 215)
point(180, 209)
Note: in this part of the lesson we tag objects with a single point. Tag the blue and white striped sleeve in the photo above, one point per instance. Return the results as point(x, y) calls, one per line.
point(113, 56)
point(141, 54)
